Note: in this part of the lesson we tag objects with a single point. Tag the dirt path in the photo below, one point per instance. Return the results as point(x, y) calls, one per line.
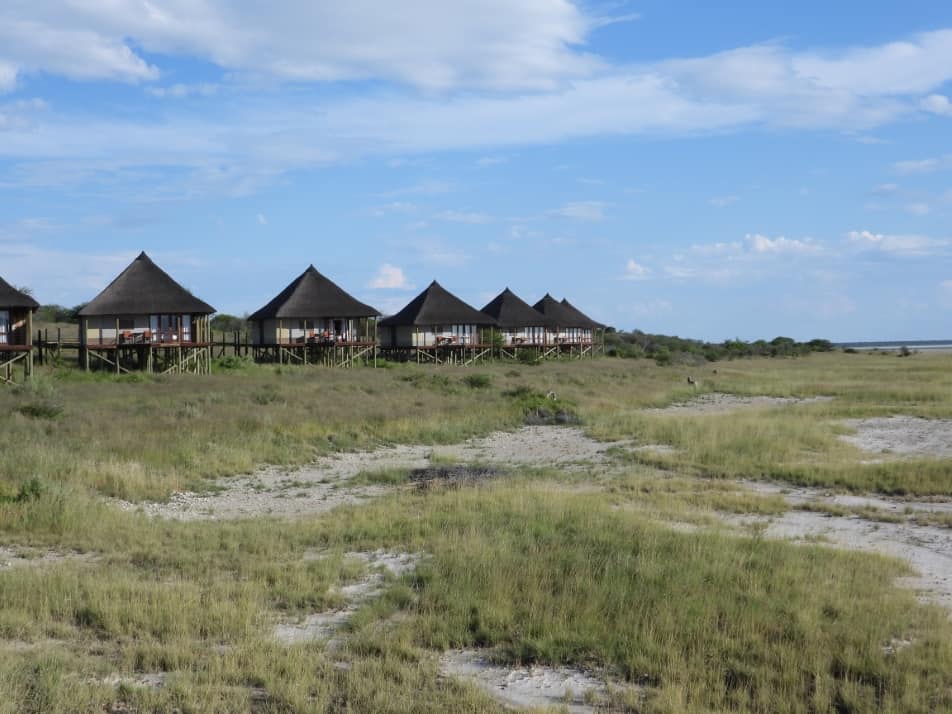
point(327, 483)
point(719, 403)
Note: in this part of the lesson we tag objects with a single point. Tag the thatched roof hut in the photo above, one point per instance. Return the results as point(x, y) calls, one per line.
point(435, 317)
point(144, 304)
point(143, 288)
point(11, 298)
point(313, 295)
point(584, 320)
point(556, 314)
point(312, 307)
point(519, 322)
point(16, 311)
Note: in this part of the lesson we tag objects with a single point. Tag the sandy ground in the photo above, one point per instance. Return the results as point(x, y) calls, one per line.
point(325, 484)
point(905, 436)
point(565, 688)
point(928, 549)
point(717, 403)
point(13, 557)
point(327, 625)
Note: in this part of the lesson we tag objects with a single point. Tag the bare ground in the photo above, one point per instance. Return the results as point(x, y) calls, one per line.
point(905, 436)
point(718, 403)
point(16, 557)
point(565, 688)
point(326, 483)
point(327, 625)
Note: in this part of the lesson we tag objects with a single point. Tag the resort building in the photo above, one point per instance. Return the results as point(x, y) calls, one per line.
point(16, 331)
point(146, 320)
point(436, 326)
point(568, 331)
point(521, 326)
point(313, 320)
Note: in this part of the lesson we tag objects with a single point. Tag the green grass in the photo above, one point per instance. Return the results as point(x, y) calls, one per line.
point(542, 567)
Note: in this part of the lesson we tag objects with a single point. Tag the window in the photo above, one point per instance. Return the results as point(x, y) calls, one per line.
point(4, 326)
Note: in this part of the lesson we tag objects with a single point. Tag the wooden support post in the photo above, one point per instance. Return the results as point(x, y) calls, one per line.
point(28, 367)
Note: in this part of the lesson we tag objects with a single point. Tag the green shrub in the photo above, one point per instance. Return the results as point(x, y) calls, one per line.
point(477, 381)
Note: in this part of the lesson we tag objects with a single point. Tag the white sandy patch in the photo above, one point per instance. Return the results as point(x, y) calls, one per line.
point(326, 625)
point(718, 403)
point(564, 688)
point(906, 436)
point(326, 483)
point(13, 557)
point(928, 549)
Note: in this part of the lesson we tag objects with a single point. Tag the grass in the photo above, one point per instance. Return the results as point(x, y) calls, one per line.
point(548, 567)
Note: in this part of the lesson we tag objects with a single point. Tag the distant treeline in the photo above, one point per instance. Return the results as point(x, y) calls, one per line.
point(666, 349)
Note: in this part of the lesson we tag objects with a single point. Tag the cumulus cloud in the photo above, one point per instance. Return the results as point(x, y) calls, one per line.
point(923, 166)
point(774, 246)
point(937, 104)
point(900, 245)
point(390, 277)
point(582, 210)
point(635, 271)
point(497, 44)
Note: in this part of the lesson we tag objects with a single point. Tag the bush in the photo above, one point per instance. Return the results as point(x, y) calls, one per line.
point(477, 381)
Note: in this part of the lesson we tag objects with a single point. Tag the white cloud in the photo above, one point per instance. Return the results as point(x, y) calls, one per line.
point(774, 246)
point(528, 47)
point(582, 210)
point(463, 217)
point(635, 271)
point(390, 277)
point(401, 207)
point(262, 219)
point(923, 166)
point(485, 161)
point(181, 91)
point(886, 189)
point(900, 245)
point(918, 209)
point(937, 104)
point(497, 44)
point(723, 201)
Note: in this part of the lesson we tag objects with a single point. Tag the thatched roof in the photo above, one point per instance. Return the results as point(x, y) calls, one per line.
point(145, 289)
point(585, 320)
point(313, 295)
point(11, 297)
point(556, 313)
point(437, 306)
point(511, 312)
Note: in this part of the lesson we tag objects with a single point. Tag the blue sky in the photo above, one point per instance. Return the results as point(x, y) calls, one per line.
point(745, 170)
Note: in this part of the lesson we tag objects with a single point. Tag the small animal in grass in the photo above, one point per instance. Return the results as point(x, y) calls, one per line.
point(693, 382)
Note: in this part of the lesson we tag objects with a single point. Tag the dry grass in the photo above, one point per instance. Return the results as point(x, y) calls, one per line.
point(543, 566)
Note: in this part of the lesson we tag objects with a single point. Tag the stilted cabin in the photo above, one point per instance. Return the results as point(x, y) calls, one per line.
point(591, 331)
point(436, 326)
point(145, 320)
point(314, 321)
point(567, 330)
point(16, 331)
point(521, 326)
